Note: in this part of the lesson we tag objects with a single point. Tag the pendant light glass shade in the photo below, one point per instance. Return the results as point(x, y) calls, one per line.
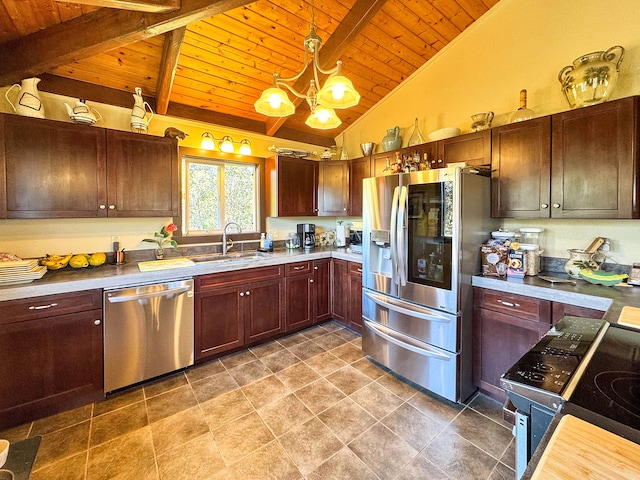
point(245, 147)
point(338, 92)
point(207, 141)
point(227, 144)
point(274, 103)
point(323, 118)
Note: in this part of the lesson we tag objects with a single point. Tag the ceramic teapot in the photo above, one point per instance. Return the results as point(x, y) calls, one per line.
point(82, 113)
point(139, 119)
point(28, 102)
point(392, 140)
point(579, 259)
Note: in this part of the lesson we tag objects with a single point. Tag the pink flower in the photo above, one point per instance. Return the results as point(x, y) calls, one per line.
point(171, 228)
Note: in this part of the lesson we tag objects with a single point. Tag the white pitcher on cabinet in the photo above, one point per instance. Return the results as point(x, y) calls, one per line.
point(28, 102)
point(139, 120)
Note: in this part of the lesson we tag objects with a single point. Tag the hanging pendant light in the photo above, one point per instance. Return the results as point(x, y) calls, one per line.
point(323, 118)
point(338, 91)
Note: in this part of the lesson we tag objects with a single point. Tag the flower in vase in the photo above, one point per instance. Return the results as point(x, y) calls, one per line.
point(162, 238)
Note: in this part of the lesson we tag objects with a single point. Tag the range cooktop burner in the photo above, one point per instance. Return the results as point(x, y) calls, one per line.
point(610, 385)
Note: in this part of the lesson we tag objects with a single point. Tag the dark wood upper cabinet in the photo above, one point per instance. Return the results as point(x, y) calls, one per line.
point(594, 161)
point(521, 158)
point(358, 171)
point(58, 169)
point(292, 187)
point(473, 148)
point(333, 188)
point(143, 177)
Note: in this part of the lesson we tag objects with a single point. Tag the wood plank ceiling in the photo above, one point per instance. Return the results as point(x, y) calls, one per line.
point(210, 60)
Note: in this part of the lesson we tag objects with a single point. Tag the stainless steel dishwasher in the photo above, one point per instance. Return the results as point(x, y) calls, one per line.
point(148, 331)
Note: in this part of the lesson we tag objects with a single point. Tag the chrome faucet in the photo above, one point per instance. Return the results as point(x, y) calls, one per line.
point(224, 237)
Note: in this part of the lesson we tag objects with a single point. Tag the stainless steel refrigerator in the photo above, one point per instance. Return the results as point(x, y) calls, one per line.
point(422, 233)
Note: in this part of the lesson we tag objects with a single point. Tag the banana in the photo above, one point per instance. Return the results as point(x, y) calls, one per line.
point(56, 262)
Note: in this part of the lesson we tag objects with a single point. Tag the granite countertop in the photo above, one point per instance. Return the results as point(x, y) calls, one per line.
point(115, 276)
point(583, 294)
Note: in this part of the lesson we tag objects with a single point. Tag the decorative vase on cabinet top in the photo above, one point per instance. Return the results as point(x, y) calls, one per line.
point(28, 102)
point(392, 140)
point(83, 113)
point(139, 119)
point(579, 259)
point(591, 78)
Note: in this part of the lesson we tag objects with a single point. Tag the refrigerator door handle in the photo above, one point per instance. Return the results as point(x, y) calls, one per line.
point(401, 244)
point(405, 342)
point(418, 312)
point(393, 237)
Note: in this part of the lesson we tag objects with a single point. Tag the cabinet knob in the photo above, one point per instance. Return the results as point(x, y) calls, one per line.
point(311, 280)
point(102, 207)
point(248, 293)
point(315, 268)
point(242, 294)
point(97, 322)
point(315, 209)
point(556, 205)
point(545, 205)
point(345, 209)
point(112, 207)
point(440, 160)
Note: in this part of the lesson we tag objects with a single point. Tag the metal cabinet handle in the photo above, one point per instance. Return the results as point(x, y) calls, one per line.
point(556, 205)
point(545, 205)
point(97, 322)
point(508, 304)
point(359, 270)
point(301, 267)
point(242, 294)
point(311, 280)
point(102, 207)
point(315, 268)
point(112, 207)
point(248, 293)
point(43, 307)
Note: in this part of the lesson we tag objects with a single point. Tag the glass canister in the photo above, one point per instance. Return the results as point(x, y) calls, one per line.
point(532, 236)
point(531, 258)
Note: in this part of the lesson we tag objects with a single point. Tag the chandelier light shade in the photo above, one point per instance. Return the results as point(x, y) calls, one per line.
point(337, 92)
point(323, 118)
point(225, 145)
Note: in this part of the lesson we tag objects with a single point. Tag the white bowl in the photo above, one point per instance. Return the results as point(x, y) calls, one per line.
point(4, 452)
point(443, 133)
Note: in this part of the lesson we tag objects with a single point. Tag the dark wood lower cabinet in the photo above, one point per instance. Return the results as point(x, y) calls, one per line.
point(355, 296)
point(346, 302)
point(322, 290)
point(219, 321)
point(299, 301)
point(51, 355)
point(340, 285)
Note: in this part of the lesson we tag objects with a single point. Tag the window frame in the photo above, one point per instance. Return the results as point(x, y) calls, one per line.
point(260, 195)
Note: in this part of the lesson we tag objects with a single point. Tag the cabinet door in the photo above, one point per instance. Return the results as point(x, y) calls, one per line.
point(300, 303)
point(339, 277)
point(358, 171)
point(322, 290)
point(264, 306)
point(143, 175)
point(472, 148)
point(499, 341)
point(355, 296)
point(49, 364)
point(595, 162)
point(520, 169)
point(297, 187)
point(53, 169)
point(379, 162)
point(219, 321)
point(559, 310)
point(333, 189)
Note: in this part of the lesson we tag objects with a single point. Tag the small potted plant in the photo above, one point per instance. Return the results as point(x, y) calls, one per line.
point(162, 239)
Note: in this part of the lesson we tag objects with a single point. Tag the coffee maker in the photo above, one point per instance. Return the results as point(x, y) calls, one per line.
point(307, 234)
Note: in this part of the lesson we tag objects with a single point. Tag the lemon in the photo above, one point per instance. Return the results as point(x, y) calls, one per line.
point(79, 261)
point(97, 259)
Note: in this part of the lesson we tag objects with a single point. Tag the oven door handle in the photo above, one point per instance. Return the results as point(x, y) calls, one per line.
point(414, 311)
point(394, 234)
point(405, 342)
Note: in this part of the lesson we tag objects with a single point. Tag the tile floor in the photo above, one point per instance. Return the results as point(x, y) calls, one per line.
point(307, 406)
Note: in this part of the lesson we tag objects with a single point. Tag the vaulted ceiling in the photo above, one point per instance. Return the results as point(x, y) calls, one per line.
point(209, 60)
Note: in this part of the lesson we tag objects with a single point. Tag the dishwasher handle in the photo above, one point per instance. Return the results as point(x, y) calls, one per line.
point(138, 296)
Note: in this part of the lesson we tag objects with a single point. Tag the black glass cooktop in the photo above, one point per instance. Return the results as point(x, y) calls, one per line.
point(549, 365)
point(610, 385)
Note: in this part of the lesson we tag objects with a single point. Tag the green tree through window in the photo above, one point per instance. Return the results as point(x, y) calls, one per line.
point(217, 192)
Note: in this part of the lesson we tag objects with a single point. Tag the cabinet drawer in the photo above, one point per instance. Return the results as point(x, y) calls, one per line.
point(49, 306)
point(517, 305)
point(355, 268)
point(297, 268)
point(206, 282)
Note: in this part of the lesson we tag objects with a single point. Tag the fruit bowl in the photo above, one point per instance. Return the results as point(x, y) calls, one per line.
point(598, 277)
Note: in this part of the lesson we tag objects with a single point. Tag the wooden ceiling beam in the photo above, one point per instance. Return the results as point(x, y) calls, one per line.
point(168, 65)
point(96, 32)
point(351, 26)
point(151, 6)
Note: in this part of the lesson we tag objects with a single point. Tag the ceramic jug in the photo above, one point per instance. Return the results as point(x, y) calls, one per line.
point(392, 140)
point(139, 119)
point(591, 78)
point(82, 113)
point(481, 121)
point(28, 102)
point(579, 259)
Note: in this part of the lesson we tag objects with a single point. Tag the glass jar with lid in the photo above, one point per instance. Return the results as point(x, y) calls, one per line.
point(532, 236)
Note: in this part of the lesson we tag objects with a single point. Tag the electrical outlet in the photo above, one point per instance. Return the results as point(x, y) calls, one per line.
point(115, 238)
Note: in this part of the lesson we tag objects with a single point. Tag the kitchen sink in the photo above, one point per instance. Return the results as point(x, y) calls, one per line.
point(230, 257)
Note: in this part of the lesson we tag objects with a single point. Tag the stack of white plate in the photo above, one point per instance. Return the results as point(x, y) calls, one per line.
point(20, 271)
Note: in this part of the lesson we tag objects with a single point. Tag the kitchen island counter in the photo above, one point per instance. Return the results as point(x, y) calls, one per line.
point(116, 276)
